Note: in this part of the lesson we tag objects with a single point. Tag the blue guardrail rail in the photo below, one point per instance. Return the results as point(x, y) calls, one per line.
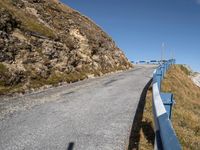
point(165, 138)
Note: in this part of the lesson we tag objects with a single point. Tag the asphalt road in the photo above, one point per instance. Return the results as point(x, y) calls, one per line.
point(94, 114)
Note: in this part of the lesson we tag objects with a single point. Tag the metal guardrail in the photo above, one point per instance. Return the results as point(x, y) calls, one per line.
point(165, 138)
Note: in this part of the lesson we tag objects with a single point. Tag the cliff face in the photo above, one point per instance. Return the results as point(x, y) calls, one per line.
point(44, 42)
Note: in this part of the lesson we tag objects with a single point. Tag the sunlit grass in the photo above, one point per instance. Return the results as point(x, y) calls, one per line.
point(186, 111)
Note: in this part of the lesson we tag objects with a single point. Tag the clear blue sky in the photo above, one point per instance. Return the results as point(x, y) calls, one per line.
point(140, 26)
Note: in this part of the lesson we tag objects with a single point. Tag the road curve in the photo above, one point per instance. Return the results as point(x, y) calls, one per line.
point(94, 114)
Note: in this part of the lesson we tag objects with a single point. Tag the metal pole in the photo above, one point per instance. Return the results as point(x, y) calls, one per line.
point(162, 52)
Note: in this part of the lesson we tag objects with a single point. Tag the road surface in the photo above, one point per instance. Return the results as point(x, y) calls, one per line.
point(94, 114)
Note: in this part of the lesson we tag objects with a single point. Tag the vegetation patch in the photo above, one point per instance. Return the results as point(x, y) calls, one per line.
point(3, 74)
point(3, 68)
point(29, 24)
point(185, 113)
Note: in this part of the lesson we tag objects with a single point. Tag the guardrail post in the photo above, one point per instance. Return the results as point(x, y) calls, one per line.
point(168, 65)
point(165, 65)
point(163, 71)
point(168, 102)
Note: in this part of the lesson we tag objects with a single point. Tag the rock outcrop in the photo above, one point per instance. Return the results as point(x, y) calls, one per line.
point(43, 42)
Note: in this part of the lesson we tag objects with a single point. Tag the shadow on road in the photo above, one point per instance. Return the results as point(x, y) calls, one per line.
point(138, 124)
point(148, 131)
point(70, 146)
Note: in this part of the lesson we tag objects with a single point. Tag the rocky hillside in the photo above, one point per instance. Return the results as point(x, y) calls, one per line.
point(43, 42)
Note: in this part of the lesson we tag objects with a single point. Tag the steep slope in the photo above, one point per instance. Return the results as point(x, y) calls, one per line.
point(43, 42)
point(186, 114)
